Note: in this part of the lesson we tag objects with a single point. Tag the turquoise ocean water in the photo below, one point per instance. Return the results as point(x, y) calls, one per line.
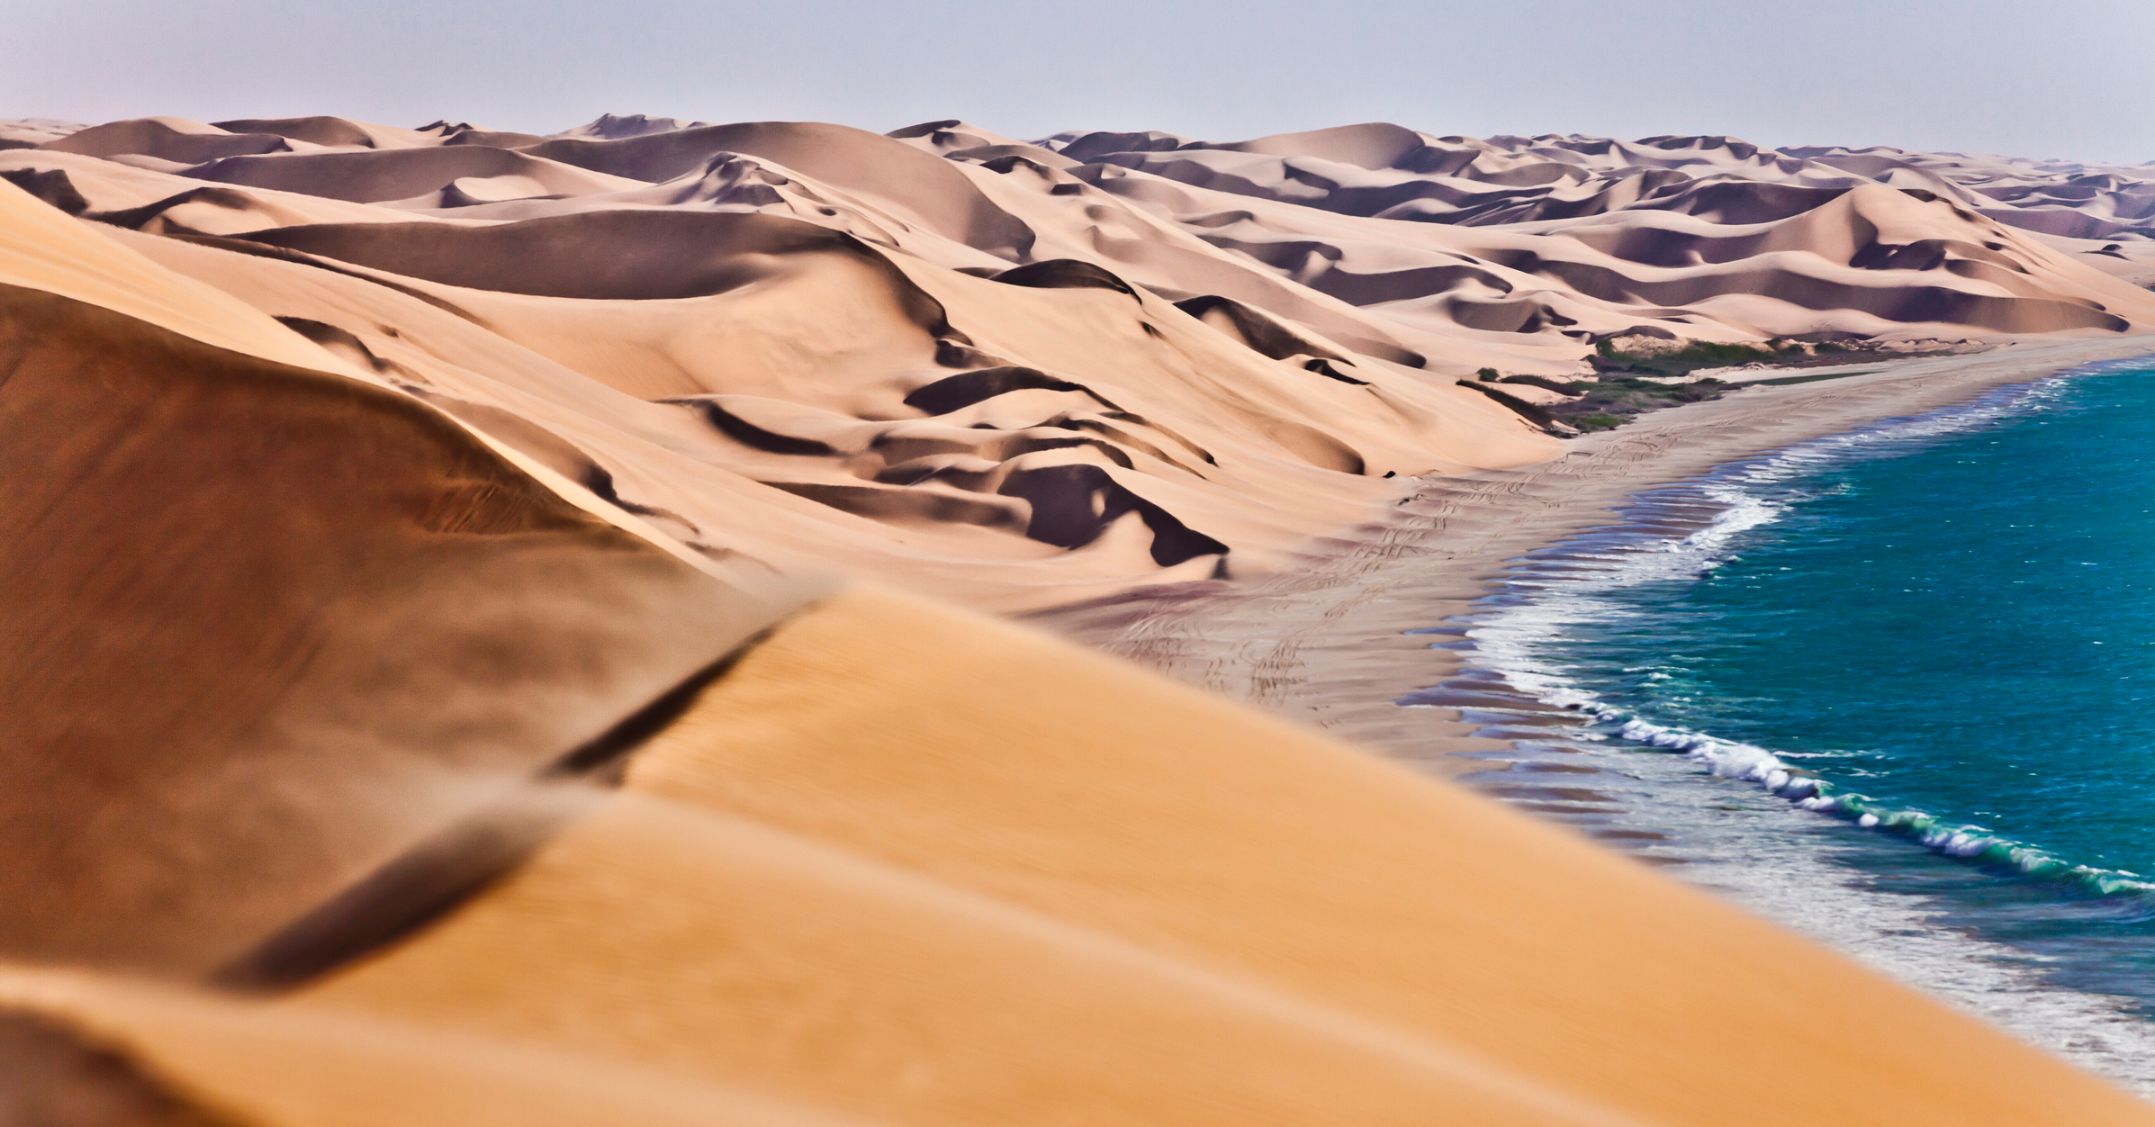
point(1895, 688)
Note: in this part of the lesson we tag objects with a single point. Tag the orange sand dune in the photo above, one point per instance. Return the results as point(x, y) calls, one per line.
point(267, 614)
point(416, 719)
point(848, 884)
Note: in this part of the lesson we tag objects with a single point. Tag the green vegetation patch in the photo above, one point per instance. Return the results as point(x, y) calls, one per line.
point(1692, 356)
point(1629, 384)
point(1623, 398)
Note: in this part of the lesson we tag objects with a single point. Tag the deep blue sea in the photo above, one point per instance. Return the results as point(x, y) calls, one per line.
point(1895, 688)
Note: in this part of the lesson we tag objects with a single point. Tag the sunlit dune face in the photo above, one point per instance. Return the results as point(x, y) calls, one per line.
point(452, 672)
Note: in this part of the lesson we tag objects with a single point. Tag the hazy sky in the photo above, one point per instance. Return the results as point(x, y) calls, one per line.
point(2073, 78)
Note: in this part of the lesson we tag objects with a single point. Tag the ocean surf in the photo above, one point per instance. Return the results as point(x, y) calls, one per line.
point(1891, 687)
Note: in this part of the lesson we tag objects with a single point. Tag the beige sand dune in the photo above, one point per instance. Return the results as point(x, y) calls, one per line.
point(328, 132)
point(782, 300)
point(42, 249)
point(132, 198)
point(175, 140)
point(406, 557)
point(373, 176)
point(728, 378)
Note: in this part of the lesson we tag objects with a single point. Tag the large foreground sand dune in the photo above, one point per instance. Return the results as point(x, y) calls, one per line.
point(277, 625)
point(846, 885)
point(428, 706)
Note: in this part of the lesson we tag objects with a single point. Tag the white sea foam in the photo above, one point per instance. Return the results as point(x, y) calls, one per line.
point(1521, 635)
point(1522, 639)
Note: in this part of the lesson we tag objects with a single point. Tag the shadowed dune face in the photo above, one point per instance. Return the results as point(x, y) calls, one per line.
point(165, 139)
point(375, 176)
point(1172, 912)
point(55, 1077)
point(413, 714)
point(630, 255)
point(756, 335)
point(267, 627)
point(918, 185)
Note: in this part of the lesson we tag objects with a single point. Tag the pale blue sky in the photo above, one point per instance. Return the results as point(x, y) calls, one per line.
point(2073, 78)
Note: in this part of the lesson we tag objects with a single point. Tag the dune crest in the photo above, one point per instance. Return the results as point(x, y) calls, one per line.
point(1034, 371)
point(982, 914)
point(418, 556)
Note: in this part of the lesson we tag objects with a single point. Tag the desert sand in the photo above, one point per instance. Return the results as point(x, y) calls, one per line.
point(1022, 374)
point(484, 608)
point(847, 886)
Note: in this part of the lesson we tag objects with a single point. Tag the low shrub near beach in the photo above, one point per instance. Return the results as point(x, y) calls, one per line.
point(1612, 401)
point(1689, 356)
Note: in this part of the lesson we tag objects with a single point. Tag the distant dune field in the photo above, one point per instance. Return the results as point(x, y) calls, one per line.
point(1026, 372)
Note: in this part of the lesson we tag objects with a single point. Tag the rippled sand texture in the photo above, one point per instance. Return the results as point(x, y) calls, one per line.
point(428, 702)
point(1023, 373)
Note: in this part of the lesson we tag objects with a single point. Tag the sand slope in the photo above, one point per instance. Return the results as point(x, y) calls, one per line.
point(1029, 372)
point(845, 886)
point(256, 607)
point(433, 714)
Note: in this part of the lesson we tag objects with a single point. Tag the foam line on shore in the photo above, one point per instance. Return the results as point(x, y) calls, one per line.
point(1560, 587)
point(1522, 630)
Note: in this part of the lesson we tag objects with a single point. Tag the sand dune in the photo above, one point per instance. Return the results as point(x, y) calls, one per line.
point(1180, 914)
point(417, 542)
point(1301, 304)
point(374, 176)
point(328, 132)
point(84, 1050)
point(317, 678)
point(168, 139)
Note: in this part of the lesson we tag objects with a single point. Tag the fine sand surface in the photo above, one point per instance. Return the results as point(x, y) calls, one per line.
point(847, 885)
point(479, 643)
point(1018, 373)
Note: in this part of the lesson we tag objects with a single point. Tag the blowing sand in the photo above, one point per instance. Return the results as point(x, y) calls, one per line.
point(847, 885)
point(436, 716)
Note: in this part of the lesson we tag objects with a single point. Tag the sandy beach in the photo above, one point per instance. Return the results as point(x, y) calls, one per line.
point(1325, 643)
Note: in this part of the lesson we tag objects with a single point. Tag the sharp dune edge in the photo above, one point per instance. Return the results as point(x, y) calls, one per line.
point(1024, 373)
point(436, 716)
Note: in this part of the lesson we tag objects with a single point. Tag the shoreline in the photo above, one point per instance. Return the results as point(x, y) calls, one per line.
point(1654, 784)
point(1327, 643)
